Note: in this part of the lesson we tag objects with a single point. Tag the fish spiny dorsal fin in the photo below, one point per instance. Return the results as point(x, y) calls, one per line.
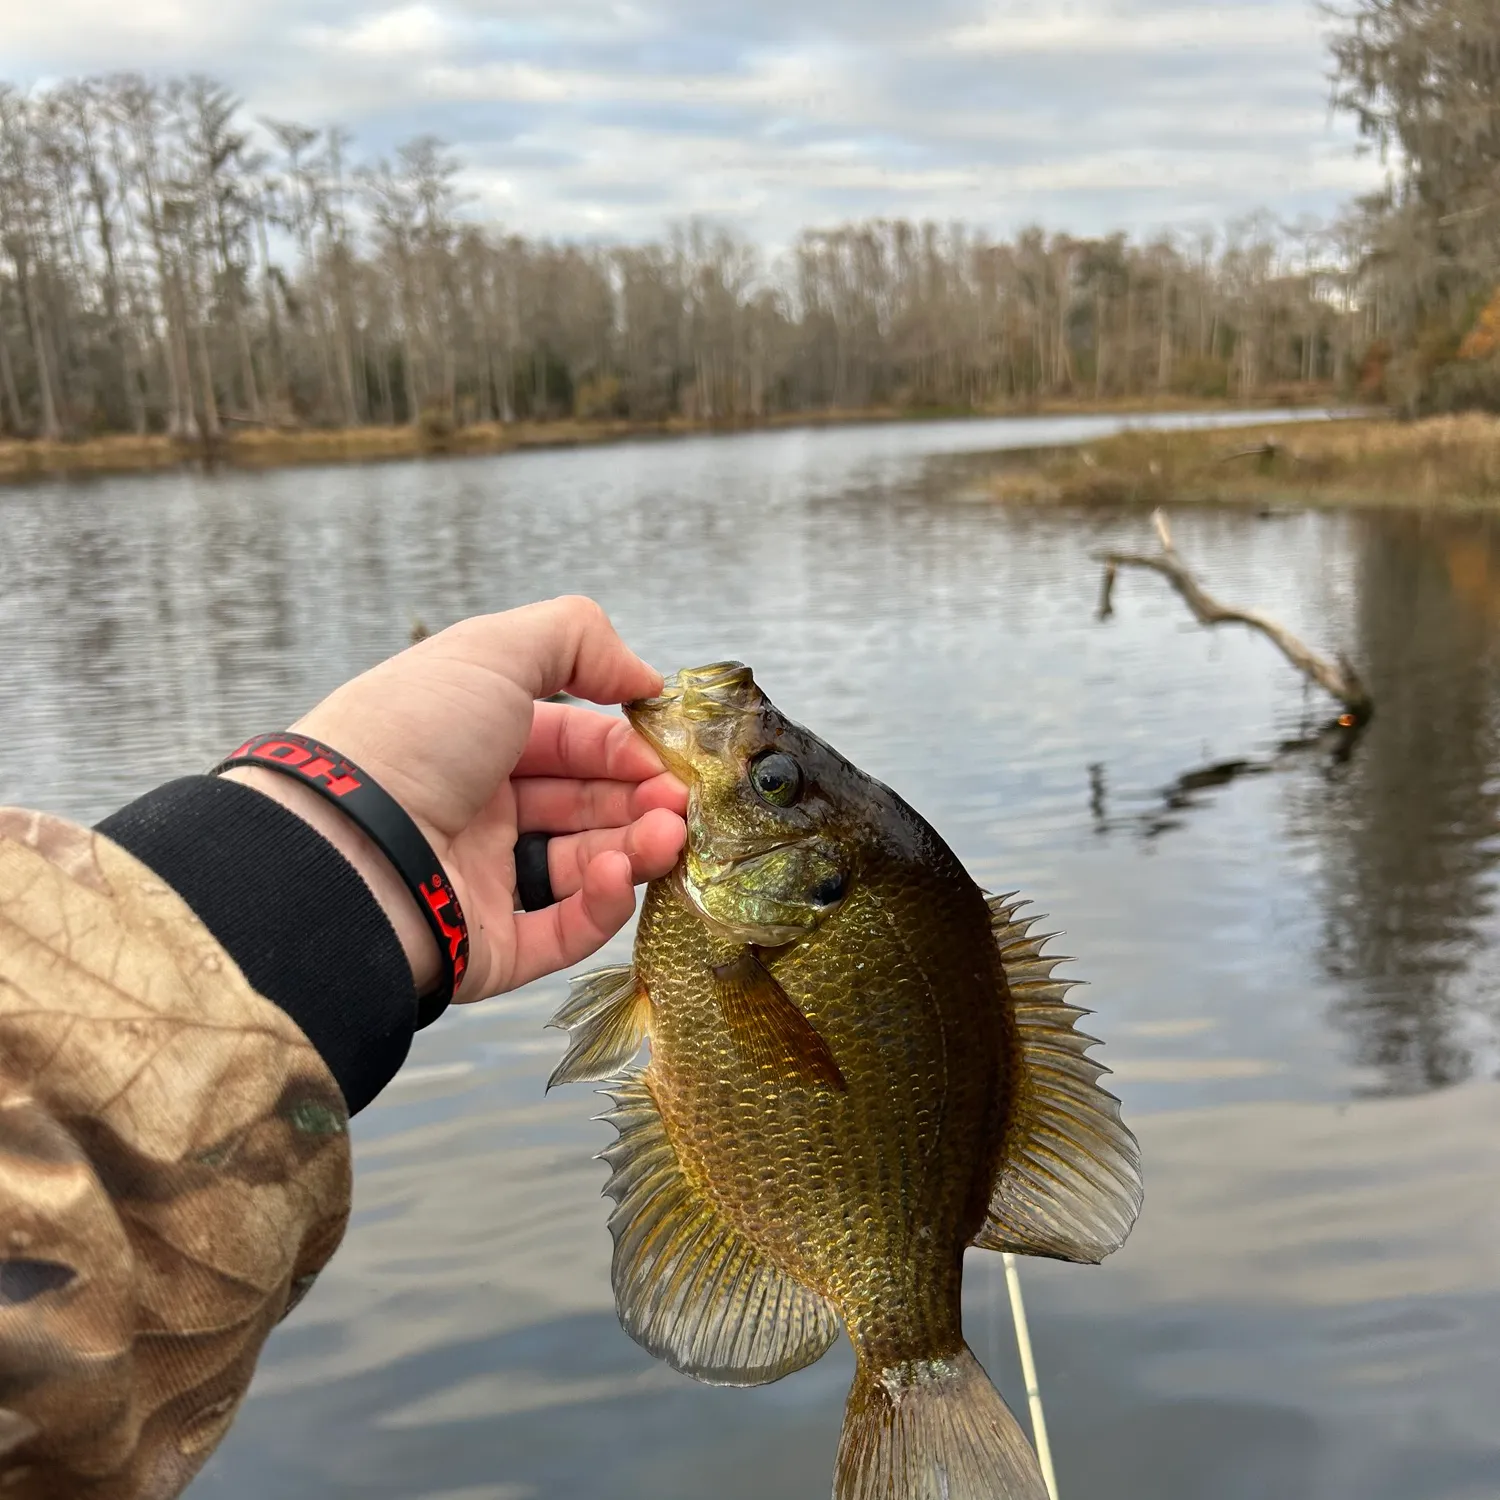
point(1069, 1183)
point(689, 1286)
point(607, 1014)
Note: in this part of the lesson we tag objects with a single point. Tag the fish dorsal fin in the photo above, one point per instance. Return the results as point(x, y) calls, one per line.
point(1069, 1184)
point(688, 1285)
point(768, 1031)
point(606, 1015)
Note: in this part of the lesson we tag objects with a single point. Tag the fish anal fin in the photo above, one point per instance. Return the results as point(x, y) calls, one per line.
point(933, 1430)
point(689, 1287)
point(768, 1030)
point(1069, 1181)
point(607, 1014)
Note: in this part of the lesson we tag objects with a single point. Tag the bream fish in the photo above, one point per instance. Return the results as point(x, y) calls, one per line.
point(859, 1066)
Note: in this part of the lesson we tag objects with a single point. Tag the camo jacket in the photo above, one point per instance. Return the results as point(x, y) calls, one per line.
point(174, 1169)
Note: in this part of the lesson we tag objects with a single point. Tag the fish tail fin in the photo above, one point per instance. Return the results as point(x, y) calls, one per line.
point(933, 1430)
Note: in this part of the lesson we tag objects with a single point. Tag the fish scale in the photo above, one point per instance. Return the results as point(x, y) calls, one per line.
point(892, 1276)
point(860, 1065)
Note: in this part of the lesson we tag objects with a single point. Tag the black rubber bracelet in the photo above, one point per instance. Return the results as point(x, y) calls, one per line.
point(370, 807)
point(533, 875)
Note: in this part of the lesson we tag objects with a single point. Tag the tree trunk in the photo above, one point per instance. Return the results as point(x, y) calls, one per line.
point(8, 383)
point(280, 395)
point(1099, 341)
point(179, 399)
point(409, 372)
point(479, 295)
point(51, 429)
point(127, 360)
point(233, 286)
point(383, 381)
point(208, 420)
point(185, 420)
point(247, 370)
point(1164, 338)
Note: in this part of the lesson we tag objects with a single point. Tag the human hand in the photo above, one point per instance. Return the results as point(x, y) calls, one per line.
point(452, 729)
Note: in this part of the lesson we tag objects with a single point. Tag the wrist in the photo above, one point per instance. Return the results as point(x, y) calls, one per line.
point(377, 872)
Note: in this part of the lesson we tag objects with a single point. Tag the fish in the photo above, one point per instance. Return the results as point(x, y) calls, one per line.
point(860, 1064)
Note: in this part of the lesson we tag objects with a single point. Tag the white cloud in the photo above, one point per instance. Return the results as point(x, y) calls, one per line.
point(407, 32)
point(612, 116)
point(803, 83)
point(40, 39)
point(1074, 28)
point(522, 83)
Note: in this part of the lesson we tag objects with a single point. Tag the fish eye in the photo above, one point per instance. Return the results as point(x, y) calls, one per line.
point(776, 777)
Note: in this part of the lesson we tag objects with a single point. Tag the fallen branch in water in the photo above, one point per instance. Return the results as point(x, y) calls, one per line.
point(1267, 452)
point(1339, 678)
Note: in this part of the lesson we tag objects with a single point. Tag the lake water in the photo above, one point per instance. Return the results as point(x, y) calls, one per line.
point(1294, 968)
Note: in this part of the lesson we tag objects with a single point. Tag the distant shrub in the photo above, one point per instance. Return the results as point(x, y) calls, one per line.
point(599, 399)
point(1201, 375)
point(1482, 341)
point(436, 427)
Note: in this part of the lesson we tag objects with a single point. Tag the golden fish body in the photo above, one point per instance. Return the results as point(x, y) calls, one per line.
point(866, 1195)
point(859, 1066)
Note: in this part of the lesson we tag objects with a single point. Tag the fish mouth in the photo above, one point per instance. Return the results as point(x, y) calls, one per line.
point(695, 706)
point(736, 861)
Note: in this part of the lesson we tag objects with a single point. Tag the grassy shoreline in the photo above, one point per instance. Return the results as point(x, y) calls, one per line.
point(263, 448)
point(1352, 462)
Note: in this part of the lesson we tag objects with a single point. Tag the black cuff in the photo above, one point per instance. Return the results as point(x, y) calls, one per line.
point(291, 911)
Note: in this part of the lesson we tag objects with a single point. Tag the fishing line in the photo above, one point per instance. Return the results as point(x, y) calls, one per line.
point(1028, 1373)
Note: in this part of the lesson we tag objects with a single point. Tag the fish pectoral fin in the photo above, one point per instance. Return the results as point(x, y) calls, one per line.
point(768, 1031)
point(1069, 1181)
point(606, 1014)
point(689, 1286)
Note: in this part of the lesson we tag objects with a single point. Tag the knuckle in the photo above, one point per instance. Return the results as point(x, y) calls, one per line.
point(582, 608)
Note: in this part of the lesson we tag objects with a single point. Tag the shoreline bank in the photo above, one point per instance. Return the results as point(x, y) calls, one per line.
point(263, 448)
point(1447, 462)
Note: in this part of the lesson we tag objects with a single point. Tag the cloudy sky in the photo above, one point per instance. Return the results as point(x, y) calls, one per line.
point(612, 117)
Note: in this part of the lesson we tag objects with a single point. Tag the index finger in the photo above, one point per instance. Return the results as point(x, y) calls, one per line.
point(561, 645)
point(577, 742)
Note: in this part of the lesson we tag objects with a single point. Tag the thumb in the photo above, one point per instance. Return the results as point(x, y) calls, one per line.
point(561, 645)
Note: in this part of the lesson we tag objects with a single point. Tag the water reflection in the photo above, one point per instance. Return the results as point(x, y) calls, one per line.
point(1308, 1307)
point(1275, 924)
point(1312, 1273)
point(1407, 840)
point(1329, 746)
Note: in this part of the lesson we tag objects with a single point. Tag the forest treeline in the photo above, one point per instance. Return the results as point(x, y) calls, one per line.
point(171, 265)
point(1422, 77)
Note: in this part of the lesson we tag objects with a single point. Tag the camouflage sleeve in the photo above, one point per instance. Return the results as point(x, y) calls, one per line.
point(174, 1171)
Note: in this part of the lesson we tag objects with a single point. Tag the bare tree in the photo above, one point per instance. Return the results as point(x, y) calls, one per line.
point(168, 265)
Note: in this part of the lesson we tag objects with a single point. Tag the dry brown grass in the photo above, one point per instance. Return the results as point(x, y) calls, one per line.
point(24, 460)
point(260, 448)
point(1440, 461)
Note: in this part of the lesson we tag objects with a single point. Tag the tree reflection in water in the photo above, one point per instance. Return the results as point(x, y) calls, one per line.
point(1329, 745)
point(1407, 838)
point(1401, 815)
